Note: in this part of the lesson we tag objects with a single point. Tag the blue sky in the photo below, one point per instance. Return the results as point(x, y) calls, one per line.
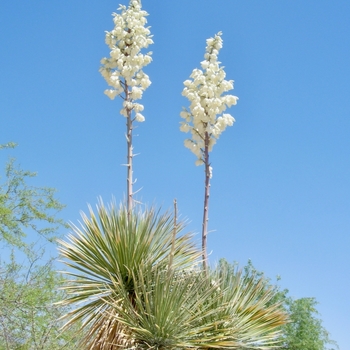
point(280, 191)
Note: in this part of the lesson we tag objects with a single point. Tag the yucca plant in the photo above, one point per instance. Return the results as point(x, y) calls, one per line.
point(137, 283)
point(108, 250)
point(188, 310)
point(255, 318)
point(171, 310)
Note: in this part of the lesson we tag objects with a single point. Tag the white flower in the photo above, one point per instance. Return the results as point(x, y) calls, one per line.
point(123, 112)
point(229, 120)
point(210, 41)
point(139, 117)
point(136, 93)
point(138, 107)
point(111, 93)
point(231, 100)
point(128, 105)
point(185, 127)
point(188, 143)
point(185, 114)
point(145, 82)
point(205, 64)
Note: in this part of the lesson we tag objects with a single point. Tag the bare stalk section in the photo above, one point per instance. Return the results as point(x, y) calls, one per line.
point(206, 203)
point(129, 159)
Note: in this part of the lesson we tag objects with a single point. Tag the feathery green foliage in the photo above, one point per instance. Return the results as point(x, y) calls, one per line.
point(24, 207)
point(305, 331)
point(28, 281)
point(27, 312)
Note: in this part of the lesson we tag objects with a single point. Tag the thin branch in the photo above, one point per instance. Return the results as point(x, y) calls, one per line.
point(172, 251)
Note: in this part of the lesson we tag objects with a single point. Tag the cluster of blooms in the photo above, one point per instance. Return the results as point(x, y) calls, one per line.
point(205, 90)
point(123, 70)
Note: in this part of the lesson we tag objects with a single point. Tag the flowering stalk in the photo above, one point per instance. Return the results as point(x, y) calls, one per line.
point(123, 72)
point(205, 119)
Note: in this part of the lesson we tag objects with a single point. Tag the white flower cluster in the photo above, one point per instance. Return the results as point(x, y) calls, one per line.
point(205, 118)
point(123, 70)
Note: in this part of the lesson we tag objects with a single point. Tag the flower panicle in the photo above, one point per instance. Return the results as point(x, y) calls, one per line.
point(123, 70)
point(206, 90)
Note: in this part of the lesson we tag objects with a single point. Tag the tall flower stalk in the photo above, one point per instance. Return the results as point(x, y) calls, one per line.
point(123, 72)
point(205, 119)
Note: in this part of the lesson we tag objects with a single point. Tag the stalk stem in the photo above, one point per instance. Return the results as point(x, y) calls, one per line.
point(129, 165)
point(206, 202)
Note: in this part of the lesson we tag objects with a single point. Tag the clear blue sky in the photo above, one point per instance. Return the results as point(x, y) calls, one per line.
point(280, 191)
